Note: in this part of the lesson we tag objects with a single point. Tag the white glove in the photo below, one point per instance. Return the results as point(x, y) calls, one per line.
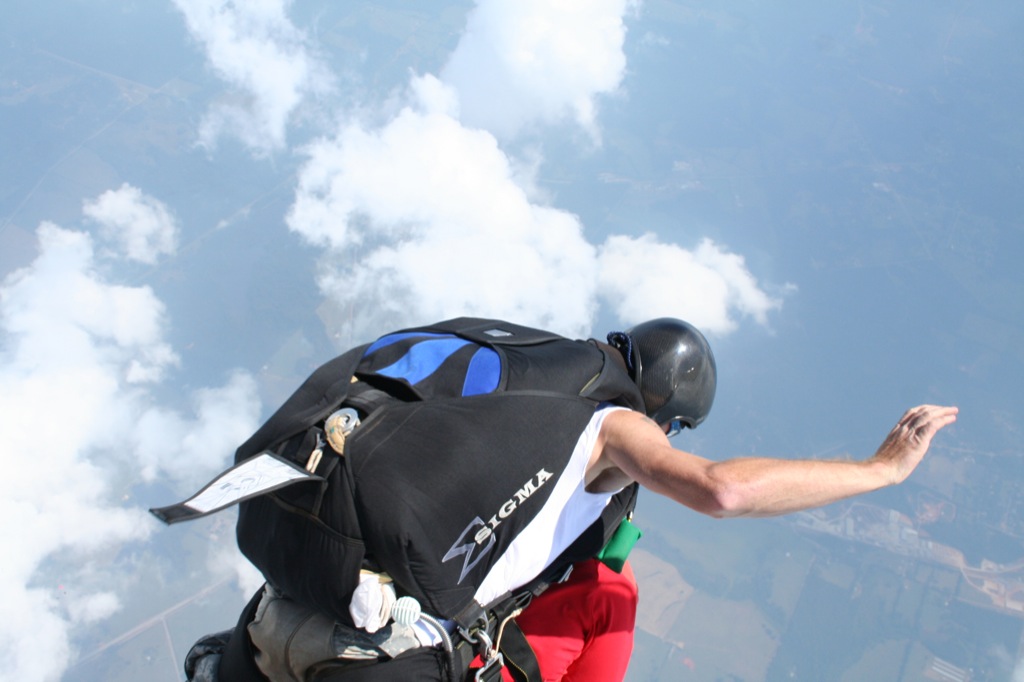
point(372, 601)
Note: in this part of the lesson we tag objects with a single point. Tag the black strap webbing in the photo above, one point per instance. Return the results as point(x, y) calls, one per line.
point(520, 659)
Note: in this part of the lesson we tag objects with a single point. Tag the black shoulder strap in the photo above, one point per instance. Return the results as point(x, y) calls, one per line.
point(614, 384)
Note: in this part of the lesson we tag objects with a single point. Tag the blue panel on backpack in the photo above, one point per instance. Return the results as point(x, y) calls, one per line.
point(423, 359)
point(483, 373)
point(386, 341)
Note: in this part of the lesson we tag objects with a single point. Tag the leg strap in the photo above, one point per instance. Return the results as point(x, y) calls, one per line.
point(520, 661)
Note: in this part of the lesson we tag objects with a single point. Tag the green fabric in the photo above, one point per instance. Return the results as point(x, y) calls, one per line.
point(614, 554)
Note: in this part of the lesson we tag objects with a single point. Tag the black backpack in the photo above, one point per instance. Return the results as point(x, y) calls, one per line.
point(434, 402)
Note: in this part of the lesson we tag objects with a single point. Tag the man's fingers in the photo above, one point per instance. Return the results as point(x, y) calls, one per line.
point(927, 418)
point(912, 436)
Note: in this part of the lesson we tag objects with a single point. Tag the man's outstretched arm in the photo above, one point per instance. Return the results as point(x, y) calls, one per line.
point(756, 486)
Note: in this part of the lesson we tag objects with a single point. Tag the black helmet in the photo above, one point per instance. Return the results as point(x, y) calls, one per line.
point(674, 368)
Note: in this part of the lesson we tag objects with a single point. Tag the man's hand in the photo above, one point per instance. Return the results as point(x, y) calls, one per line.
point(904, 447)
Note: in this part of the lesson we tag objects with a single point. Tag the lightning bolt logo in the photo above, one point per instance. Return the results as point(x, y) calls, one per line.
point(471, 548)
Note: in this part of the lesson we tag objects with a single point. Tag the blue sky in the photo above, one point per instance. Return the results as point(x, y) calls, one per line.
point(202, 201)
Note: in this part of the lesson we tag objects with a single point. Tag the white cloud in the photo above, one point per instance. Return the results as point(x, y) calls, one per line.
point(538, 61)
point(165, 442)
point(63, 317)
point(643, 278)
point(140, 225)
point(77, 354)
point(256, 49)
point(94, 607)
point(424, 219)
point(225, 560)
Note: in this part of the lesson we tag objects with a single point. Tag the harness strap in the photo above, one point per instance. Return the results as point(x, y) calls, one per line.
point(520, 659)
point(365, 398)
point(479, 630)
point(518, 656)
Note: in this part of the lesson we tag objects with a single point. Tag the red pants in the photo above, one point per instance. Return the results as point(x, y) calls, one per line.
point(582, 629)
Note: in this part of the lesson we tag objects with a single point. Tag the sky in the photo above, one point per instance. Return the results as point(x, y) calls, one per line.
point(202, 200)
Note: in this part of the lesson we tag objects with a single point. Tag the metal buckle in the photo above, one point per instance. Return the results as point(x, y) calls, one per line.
point(491, 670)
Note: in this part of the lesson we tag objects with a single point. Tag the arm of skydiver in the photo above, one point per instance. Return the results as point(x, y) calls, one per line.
point(635, 448)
